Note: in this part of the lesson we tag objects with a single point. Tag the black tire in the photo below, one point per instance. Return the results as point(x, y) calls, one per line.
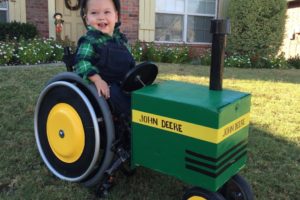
point(201, 193)
point(92, 171)
point(237, 188)
point(59, 96)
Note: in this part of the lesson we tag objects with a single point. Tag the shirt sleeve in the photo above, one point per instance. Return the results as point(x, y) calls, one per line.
point(84, 56)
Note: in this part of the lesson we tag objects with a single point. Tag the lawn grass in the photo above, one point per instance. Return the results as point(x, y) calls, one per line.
point(273, 167)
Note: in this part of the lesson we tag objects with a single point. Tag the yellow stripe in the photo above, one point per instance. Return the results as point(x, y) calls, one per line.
point(189, 129)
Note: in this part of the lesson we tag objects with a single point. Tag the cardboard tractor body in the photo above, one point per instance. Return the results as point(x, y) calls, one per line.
point(188, 131)
point(180, 129)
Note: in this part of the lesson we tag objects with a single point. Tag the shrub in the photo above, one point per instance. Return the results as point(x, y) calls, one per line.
point(153, 52)
point(245, 61)
point(17, 30)
point(57, 50)
point(205, 58)
point(175, 54)
point(294, 61)
point(277, 62)
point(33, 51)
point(6, 52)
point(257, 27)
point(137, 51)
point(166, 53)
point(237, 61)
point(37, 51)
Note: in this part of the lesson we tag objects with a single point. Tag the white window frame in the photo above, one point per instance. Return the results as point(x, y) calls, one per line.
point(185, 21)
point(7, 11)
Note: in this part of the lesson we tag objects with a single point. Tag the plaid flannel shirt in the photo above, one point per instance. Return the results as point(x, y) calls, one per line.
point(86, 54)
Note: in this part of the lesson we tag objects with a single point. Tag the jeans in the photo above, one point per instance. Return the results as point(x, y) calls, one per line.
point(121, 101)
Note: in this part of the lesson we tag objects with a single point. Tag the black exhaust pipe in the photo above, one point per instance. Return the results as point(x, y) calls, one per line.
point(219, 28)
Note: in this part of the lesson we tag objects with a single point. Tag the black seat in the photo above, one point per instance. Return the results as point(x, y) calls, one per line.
point(69, 59)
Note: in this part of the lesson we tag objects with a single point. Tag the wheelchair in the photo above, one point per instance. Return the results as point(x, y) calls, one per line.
point(78, 134)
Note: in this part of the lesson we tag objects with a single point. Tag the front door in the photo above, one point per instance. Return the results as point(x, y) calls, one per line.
point(73, 26)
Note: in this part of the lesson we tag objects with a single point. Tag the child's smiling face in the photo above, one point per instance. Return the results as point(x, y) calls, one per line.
point(102, 15)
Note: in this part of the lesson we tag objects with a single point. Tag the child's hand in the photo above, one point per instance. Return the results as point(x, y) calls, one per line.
point(101, 86)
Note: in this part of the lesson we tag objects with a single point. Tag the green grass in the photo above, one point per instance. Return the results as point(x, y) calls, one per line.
point(273, 167)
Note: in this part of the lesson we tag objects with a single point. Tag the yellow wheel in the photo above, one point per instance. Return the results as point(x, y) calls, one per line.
point(65, 133)
point(196, 193)
point(196, 198)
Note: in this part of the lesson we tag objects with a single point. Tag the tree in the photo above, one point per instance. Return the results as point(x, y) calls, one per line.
point(257, 27)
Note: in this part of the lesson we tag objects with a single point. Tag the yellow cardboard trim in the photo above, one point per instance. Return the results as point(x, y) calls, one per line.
point(189, 129)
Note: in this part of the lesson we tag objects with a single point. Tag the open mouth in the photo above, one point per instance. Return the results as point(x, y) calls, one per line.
point(102, 25)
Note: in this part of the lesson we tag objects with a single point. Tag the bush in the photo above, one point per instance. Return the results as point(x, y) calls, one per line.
point(238, 61)
point(32, 51)
point(6, 52)
point(137, 51)
point(17, 30)
point(205, 58)
point(175, 54)
point(57, 51)
point(161, 53)
point(245, 61)
point(294, 61)
point(39, 51)
point(153, 52)
point(257, 27)
point(277, 62)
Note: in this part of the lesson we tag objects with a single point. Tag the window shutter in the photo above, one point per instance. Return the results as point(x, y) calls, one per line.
point(17, 11)
point(146, 20)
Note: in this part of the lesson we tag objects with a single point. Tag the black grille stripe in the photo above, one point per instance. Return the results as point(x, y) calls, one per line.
point(215, 167)
point(198, 155)
point(211, 174)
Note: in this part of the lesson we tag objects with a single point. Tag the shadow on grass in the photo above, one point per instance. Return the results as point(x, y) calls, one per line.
point(273, 75)
point(273, 165)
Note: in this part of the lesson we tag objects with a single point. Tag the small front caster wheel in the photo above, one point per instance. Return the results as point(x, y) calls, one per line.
point(196, 193)
point(237, 188)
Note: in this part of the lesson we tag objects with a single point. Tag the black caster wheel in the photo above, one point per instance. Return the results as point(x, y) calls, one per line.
point(237, 188)
point(127, 171)
point(196, 193)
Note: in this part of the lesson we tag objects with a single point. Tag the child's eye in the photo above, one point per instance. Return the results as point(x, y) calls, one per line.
point(93, 13)
point(107, 12)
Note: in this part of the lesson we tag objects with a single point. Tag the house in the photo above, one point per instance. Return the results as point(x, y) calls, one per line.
point(162, 21)
point(291, 42)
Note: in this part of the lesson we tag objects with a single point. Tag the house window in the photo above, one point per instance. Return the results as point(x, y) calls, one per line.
point(184, 20)
point(4, 11)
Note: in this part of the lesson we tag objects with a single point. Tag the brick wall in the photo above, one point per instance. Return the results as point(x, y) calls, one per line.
point(37, 14)
point(130, 18)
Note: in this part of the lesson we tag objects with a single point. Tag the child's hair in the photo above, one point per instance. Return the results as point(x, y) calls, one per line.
point(83, 9)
